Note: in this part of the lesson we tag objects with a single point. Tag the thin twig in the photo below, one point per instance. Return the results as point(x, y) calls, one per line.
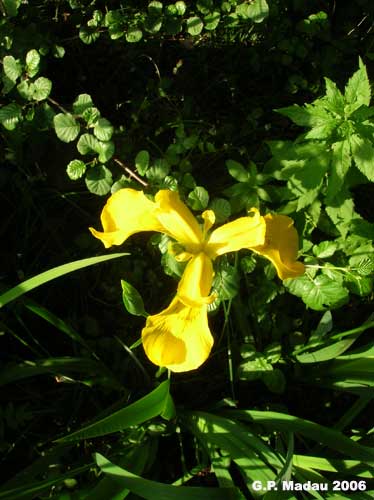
point(55, 103)
point(131, 173)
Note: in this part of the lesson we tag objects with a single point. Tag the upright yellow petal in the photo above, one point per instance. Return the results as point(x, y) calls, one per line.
point(126, 212)
point(178, 337)
point(241, 233)
point(177, 220)
point(196, 282)
point(281, 246)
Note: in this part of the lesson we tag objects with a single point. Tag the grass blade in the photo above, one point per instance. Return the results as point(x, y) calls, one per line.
point(52, 274)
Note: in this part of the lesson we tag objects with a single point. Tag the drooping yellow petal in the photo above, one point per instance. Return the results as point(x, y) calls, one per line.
point(178, 337)
point(196, 282)
point(177, 220)
point(241, 233)
point(126, 212)
point(281, 246)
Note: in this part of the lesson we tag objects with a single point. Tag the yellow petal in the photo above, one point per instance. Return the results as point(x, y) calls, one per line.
point(126, 212)
point(196, 281)
point(241, 233)
point(281, 246)
point(179, 337)
point(177, 220)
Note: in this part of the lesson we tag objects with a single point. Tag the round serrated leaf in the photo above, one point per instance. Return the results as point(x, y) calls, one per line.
point(88, 35)
point(32, 62)
point(194, 25)
point(76, 169)
point(87, 144)
point(198, 199)
point(12, 68)
point(10, 115)
point(99, 180)
point(211, 21)
point(91, 115)
point(155, 8)
point(181, 8)
point(106, 150)
point(67, 129)
point(132, 300)
point(226, 283)
point(81, 103)
point(221, 209)
point(204, 6)
point(26, 90)
point(142, 161)
point(103, 129)
point(134, 35)
point(42, 88)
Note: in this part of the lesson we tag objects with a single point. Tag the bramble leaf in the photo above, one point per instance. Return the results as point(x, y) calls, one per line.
point(318, 293)
point(357, 90)
point(340, 162)
point(363, 155)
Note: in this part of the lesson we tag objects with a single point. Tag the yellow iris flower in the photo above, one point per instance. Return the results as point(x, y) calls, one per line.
point(179, 337)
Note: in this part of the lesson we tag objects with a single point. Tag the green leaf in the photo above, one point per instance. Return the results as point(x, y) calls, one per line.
point(76, 169)
point(357, 90)
point(181, 7)
point(340, 162)
point(155, 8)
point(26, 89)
point(42, 88)
point(325, 249)
point(204, 6)
point(12, 68)
point(89, 144)
point(194, 25)
point(363, 155)
point(103, 129)
point(32, 63)
point(212, 20)
point(221, 209)
point(237, 171)
point(306, 116)
point(88, 34)
point(64, 365)
point(132, 300)
point(134, 35)
point(52, 274)
point(153, 490)
point(158, 171)
point(81, 103)
point(359, 285)
point(334, 100)
point(318, 293)
point(91, 115)
point(99, 180)
point(226, 282)
point(198, 199)
point(146, 408)
point(256, 11)
point(326, 436)
point(10, 115)
point(11, 7)
point(142, 161)
point(66, 127)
